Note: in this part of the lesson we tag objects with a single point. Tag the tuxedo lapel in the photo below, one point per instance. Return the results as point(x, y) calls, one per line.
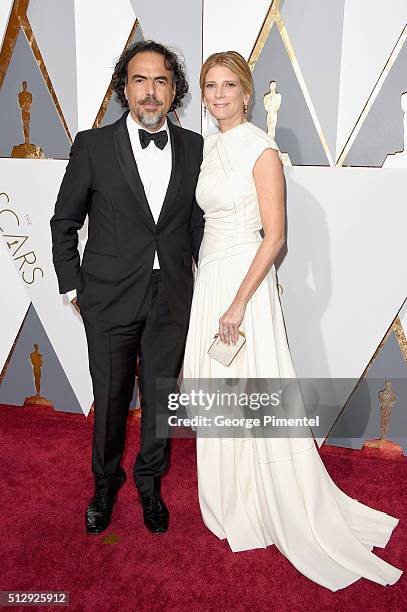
point(129, 168)
point(177, 154)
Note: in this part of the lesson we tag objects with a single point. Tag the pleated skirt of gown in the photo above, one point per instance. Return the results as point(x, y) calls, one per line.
point(256, 492)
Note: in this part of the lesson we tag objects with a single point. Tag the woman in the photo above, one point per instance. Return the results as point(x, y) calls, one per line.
point(257, 492)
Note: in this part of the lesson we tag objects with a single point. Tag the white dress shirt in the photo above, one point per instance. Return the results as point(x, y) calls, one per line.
point(154, 167)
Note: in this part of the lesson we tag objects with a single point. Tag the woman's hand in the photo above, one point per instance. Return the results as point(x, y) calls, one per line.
point(229, 322)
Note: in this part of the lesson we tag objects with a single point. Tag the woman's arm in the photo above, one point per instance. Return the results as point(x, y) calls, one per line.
point(269, 180)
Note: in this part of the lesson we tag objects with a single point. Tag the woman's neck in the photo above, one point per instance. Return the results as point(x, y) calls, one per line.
point(228, 124)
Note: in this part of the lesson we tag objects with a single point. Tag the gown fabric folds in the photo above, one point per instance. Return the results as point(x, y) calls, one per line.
point(257, 492)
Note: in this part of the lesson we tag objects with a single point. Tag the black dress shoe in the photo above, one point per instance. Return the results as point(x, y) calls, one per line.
point(155, 512)
point(99, 511)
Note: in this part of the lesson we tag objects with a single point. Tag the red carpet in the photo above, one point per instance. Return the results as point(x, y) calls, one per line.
point(47, 483)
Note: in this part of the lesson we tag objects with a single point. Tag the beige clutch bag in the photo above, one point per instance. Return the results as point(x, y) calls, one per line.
point(225, 353)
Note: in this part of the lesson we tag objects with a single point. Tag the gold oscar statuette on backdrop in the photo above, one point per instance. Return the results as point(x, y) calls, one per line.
point(272, 103)
point(37, 362)
point(26, 150)
point(387, 399)
point(399, 159)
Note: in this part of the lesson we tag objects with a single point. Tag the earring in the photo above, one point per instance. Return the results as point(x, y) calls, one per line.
point(245, 109)
point(205, 112)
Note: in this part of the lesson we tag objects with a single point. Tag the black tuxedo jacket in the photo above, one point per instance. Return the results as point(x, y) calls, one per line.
point(102, 182)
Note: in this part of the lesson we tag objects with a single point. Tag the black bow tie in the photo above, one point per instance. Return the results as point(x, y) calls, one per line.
point(160, 138)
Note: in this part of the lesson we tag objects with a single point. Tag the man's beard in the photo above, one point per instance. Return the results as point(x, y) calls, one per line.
point(150, 119)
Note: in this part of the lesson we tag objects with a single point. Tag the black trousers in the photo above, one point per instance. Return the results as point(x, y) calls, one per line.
point(113, 349)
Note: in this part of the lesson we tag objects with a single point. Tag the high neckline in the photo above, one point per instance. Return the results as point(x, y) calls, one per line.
point(234, 129)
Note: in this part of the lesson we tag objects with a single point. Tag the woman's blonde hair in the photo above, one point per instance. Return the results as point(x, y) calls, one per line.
point(235, 62)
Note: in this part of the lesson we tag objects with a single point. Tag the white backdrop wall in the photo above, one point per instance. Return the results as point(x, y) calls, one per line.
point(343, 275)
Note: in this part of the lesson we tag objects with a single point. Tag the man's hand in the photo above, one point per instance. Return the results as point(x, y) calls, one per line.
point(75, 304)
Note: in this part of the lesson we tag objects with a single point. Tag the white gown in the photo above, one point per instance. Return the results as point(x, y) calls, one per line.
point(254, 492)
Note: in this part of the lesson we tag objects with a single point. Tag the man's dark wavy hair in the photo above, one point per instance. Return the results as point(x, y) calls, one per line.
point(171, 62)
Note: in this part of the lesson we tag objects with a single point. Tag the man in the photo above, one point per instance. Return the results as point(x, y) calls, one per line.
point(135, 180)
